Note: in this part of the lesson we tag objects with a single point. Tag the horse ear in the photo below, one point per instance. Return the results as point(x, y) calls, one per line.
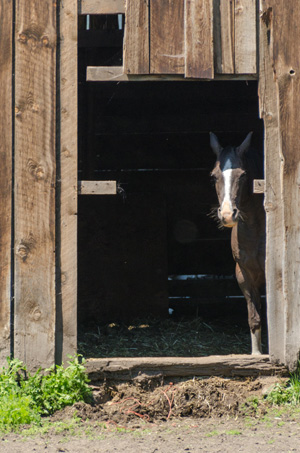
point(245, 145)
point(214, 143)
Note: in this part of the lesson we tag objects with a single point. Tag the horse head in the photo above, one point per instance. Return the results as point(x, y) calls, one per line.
point(231, 180)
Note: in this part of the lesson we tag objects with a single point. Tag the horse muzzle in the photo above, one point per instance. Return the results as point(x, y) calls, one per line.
point(228, 216)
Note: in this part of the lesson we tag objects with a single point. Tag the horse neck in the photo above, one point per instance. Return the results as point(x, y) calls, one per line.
point(253, 212)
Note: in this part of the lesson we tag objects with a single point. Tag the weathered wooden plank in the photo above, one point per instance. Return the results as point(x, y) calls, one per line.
point(224, 36)
point(167, 49)
point(245, 36)
point(258, 186)
point(67, 241)
point(102, 7)
point(286, 64)
point(233, 365)
point(116, 74)
point(6, 59)
point(269, 111)
point(199, 50)
point(136, 38)
point(97, 187)
point(35, 80)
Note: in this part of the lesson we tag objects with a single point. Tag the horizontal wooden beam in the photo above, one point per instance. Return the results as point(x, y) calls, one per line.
point(102, 7)
point(116, 74)
point(228, 365)
point(97, 187)
point(259, 186)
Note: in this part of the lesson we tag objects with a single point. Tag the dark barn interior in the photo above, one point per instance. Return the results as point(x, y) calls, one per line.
point(153, 246)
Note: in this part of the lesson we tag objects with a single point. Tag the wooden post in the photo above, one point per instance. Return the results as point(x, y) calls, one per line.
point(269, 111)
point(66, 340)
point(6, 62)
point(35, 91)
point(286, 61)
point(280, 102)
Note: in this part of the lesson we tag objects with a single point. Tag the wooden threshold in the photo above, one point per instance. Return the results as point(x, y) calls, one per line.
point(116, 74)
point(228, 365)
point(102, 7)
point(97, 187)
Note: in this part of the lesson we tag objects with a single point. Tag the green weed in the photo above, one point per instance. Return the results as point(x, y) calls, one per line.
point(234, 432)
point(286, 393)
point(212, 433)
point(24, 398)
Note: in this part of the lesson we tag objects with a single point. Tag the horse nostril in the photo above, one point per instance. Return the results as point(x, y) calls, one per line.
point(234, 213)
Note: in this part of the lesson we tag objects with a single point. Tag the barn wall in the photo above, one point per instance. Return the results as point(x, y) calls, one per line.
point(34, 189)
point(39, 216)
point(6, 65)
point(38, 86)
point(280, 89)
point(193, 39)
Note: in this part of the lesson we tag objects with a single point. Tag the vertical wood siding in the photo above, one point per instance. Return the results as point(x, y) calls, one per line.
point(35, 88)
point(269, 111)
point(245, 36)
point(199, 47)
point(286, 60)
point(136, 39)
point(67, 225)
point(167, 48)
point(6, 70)
point(280, 94)
point(235, 36)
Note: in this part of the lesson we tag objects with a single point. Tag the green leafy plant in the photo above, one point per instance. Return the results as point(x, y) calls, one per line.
point(286, 393)
point(24, 398)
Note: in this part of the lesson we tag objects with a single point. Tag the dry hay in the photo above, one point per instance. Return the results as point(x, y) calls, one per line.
point(149, 401)
point(165, 338)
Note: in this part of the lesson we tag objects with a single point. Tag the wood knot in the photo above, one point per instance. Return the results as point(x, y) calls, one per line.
point(66, 152)
point(266, 16)
point(25, 246)
point(35, 169)
point(35, 313)
point(269, 206)
point(18, 112)
point(23, 252)
point(45, 41)
point(23, 38)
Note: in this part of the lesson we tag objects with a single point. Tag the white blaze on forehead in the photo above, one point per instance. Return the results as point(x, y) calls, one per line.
point(227, 175)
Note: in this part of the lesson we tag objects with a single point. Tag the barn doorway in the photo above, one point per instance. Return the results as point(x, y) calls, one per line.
point(152, 262)
point(152, 249)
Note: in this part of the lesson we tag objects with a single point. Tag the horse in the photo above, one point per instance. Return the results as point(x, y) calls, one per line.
point(243, 211)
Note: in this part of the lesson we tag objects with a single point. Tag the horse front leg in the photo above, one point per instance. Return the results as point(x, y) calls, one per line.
point(252, 295)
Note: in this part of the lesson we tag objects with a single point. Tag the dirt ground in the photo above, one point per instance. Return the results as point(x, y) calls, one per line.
point(197, 415)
